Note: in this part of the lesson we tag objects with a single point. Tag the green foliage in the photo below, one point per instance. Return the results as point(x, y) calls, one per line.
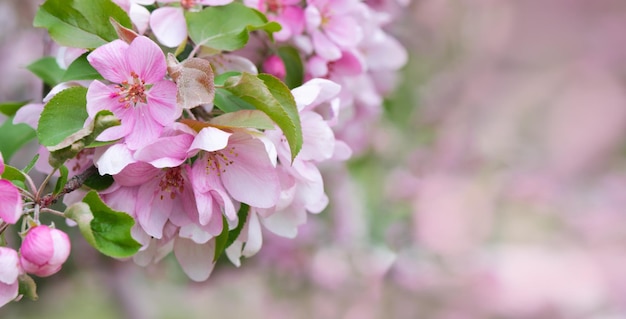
point(63, 115)
point(47, 69)
point(228, 102)
point(271, 96)
point(63, 171)
point(13, 174)
point(293, 66)
point(81, 23)
point(105, 229)
point(242, 215)
point(27, 287)
point(99, 182)
point(14, 137)
point(10, 108)
point(73, 144)
point(221, 240)
point(80, 69)
point(244, 119)
point(226, 27)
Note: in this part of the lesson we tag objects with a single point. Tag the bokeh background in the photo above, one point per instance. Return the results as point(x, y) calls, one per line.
point(493, 187)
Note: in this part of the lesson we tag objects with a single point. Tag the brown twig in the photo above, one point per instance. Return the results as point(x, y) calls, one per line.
point(72, 184)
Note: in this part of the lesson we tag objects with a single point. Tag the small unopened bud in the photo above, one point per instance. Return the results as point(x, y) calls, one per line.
point(44, 250)
point(274, 65)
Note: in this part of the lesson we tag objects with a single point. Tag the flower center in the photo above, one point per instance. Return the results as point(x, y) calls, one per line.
point(134, 92)
point(219, 161)
point(172, 182)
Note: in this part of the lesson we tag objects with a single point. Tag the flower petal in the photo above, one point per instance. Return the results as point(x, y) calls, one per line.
point(162, 102)
point(210, 139)
point(195, 259)
point(9, 265)
point(146, 59)
point(8, 292)
point(169, 26)
point(168, 151)
point(111, 62)
point(251, 178)
point(113, 159)
point(145, 131)
point(10, 202)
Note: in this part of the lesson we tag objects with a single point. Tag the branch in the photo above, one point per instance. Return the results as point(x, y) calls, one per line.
point(72, 184)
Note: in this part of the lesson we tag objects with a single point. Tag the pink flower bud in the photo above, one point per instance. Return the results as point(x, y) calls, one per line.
point(275, 66)
point(44, 250)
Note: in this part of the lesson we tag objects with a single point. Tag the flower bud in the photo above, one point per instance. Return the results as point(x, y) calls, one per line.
point(275, 66)
point(44, 250)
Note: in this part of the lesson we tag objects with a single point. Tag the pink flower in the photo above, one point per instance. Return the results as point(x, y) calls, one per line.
point(10, 199)
point(159, 194)
point(241, 162)
point(168, 23)
point(274, 65)
point(143, 100)
point(44, 250)
point(286, 12)
point(331, 26)
point(9, 271)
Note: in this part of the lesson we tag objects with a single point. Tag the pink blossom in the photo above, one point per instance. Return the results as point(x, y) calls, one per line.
point(158, 194)
point(10, 199)
point(143, 100)
point(331, 26)
point(286, 12)
point(44, 250)
point(238, 162)
point(274, 65)
point(9, 271)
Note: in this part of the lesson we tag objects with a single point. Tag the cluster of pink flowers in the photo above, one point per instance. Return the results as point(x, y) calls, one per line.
point(186, 181)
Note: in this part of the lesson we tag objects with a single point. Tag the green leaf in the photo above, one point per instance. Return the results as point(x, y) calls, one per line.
point(226, 27)
point(228, 102)
point(13, 137)
point(221, 240)
point(242, 216)
point(61, 180)
point(81, 23)
point(293, 66)
point(244, 119)
point(63, 115)
point(80, 69)
point(105, 229)
point(47, 69)
point(99, 182)
point(221, 78)
point(268, 94)
point(31, 164)
point(13, 174)
point(73, 144)
point(10, 108)
point(27, 287)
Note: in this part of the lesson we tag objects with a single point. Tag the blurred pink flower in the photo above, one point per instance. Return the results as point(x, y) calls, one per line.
point(332, 27)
